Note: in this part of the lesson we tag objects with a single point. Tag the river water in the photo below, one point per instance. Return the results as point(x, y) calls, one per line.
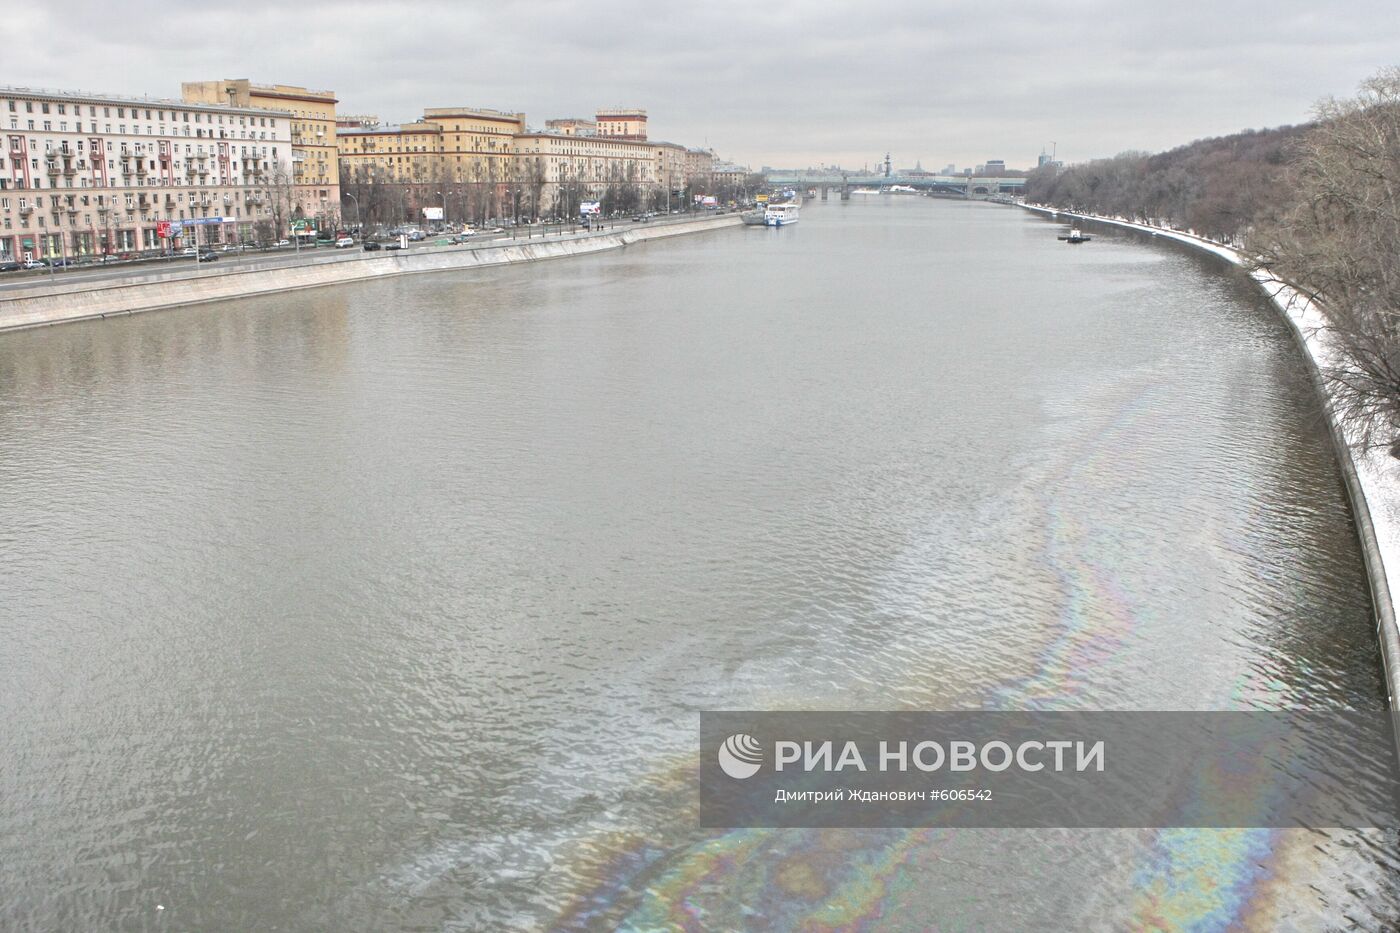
point(392, 606)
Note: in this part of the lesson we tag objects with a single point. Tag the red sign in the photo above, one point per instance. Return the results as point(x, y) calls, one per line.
point(163, 229)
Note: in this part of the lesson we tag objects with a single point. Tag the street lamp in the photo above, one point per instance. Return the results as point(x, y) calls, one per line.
point(359, 220)
point(444, 208)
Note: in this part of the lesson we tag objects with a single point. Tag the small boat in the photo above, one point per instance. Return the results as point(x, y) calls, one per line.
point(752, 218)
point(780, 215)
point(1075, 235)
point(864, 191)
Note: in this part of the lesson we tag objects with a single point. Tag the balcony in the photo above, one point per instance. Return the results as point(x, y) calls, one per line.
point(26, 210)
point(69, 170)
point(140, 169)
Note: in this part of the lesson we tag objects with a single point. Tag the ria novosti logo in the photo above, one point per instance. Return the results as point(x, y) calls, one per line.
point(740, 756)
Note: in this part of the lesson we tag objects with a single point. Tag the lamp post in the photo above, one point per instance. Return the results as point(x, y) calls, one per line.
point(444, 208)
point(359, 220)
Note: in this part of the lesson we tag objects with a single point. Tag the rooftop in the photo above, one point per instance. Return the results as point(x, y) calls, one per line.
point(167, 103)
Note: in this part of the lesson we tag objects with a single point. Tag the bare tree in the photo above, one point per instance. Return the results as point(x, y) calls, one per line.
point(1339, 243)
point(280, 193)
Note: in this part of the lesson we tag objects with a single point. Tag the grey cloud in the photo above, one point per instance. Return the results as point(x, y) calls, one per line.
point(776, 83)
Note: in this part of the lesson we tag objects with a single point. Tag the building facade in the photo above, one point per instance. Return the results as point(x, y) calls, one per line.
point(477, 164)
point(85, 175)
point(622, 123)
point(315, 165)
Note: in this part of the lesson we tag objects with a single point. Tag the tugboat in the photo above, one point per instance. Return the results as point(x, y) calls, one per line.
point(1075, 235)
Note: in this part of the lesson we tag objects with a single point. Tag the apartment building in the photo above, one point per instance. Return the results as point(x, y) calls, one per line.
point(622, 123)
point(476, 163)
point(86, 174)
point(408, 153)
point(315, 160)
point(477, 144)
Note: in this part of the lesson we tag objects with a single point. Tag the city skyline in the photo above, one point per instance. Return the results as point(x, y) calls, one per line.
point(930, 83)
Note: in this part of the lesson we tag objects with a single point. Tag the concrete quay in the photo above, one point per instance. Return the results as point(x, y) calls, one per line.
point(59, 303)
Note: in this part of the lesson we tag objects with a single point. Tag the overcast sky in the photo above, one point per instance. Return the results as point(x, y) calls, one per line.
point(777, 83)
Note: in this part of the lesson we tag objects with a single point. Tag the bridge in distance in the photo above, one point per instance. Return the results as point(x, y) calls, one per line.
point(964, 186)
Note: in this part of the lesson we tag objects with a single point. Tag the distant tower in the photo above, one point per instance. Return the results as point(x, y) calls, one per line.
point(887, 165)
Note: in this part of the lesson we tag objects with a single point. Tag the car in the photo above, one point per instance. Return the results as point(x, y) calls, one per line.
point(637, 218)
point(34, 264)
point(371, 246)
point(417, 235)
point(208, 255)
point(344, 242)
point(394, 245)
point(189, 252)
point(461, 238)
point(8, 266)
point(62, 263)
point(283, 243)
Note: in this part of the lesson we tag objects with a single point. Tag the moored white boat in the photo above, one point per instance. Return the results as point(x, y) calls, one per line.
point(780, 215)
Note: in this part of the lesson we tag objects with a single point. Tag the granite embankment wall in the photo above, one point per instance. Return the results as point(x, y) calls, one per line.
point(1372, 476)
point(60, 303)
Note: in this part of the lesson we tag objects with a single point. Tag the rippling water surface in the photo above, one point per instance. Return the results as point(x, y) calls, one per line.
point(392, 606)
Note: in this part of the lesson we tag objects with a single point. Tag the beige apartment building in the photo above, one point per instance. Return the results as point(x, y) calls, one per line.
point(315, 160)
point(622, 123)
point(475, 163)
point(85, 174)
point(477, 144)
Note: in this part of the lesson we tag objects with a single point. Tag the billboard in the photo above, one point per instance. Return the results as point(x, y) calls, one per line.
point(590, 207)
point(432, 213)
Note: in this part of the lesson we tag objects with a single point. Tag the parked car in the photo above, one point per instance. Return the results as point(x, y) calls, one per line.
point(8, 266)
point(34, 264)
point(461, 238)
point(371, 246)
point(394, 245)
point(283, 243)
point(344, 243)
point(62, 263)
point(417, 235)
point(188, 252)
point(208, 255)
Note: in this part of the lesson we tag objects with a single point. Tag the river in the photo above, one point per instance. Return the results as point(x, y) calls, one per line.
point(392, 606)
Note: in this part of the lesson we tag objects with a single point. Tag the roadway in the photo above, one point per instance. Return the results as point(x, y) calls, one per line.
point(16, 284)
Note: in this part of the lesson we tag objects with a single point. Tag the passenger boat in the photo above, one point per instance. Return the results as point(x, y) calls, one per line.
point(1075, 235)
point(780, 215)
